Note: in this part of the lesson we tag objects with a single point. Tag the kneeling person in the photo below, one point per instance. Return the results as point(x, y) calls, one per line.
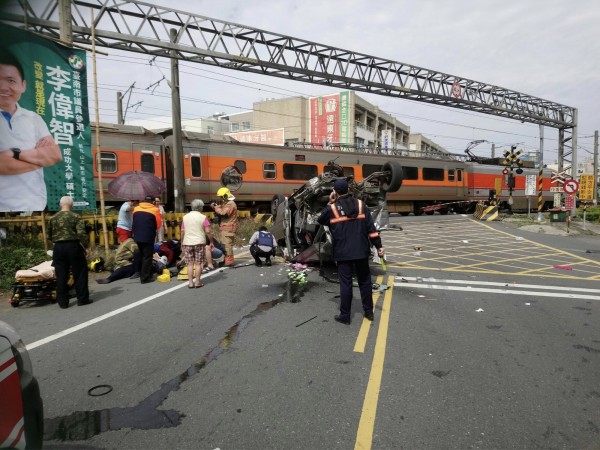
point(127, 259)
point(262, 244)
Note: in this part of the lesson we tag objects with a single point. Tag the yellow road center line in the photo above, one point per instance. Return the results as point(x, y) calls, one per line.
point(361, 339)
point(364, 435)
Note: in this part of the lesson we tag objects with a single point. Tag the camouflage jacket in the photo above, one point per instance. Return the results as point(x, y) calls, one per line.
point(67, 226)
point(124, 255)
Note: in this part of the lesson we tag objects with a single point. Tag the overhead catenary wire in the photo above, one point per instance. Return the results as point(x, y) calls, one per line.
point(287, 92)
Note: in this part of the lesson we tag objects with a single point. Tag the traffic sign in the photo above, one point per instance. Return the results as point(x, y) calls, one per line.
point(456, 89)
point(571, 186)
point(530, 185)
point(555, 189)
point(586, 185)
point(558, 177)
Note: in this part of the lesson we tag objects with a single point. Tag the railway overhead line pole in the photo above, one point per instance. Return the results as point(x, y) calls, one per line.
point(145, 28)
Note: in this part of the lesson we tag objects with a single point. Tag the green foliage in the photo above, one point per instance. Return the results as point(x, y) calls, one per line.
point(245, 230)
point(592, 213)
point(17, 255)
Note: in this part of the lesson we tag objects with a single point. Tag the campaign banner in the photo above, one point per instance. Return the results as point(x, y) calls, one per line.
point(267, 137)
point(329, 119)
point(45, 136)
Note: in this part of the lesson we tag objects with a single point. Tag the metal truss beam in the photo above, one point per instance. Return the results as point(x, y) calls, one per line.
point(132, 25)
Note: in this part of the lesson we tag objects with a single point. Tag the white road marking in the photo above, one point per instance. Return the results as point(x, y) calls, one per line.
point(83, 325)
point(562, 295)
point(491, 283)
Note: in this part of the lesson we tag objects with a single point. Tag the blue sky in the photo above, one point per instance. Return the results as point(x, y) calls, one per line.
point(548, 49)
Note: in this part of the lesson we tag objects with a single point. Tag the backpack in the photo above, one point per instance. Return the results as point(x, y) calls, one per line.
point(265, 239)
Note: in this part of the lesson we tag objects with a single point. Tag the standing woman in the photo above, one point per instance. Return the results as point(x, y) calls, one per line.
point(160, 233)
point(194, 232)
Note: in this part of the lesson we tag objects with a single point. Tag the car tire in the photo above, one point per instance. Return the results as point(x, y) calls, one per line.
point(394, 181)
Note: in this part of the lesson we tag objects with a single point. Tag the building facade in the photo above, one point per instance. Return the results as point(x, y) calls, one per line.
point(340, 120)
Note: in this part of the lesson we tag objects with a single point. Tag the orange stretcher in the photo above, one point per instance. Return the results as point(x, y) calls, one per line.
point(35, 284)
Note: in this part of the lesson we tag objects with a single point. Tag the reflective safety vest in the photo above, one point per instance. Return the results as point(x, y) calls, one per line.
point(337, 217)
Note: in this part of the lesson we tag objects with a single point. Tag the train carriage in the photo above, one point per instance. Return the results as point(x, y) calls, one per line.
point(268, 171)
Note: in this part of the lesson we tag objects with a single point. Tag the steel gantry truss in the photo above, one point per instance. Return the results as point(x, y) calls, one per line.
point(141, 27)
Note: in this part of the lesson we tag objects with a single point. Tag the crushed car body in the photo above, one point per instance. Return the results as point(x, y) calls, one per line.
point(299, 235)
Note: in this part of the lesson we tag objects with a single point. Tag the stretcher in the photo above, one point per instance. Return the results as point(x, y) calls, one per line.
point(35, 284)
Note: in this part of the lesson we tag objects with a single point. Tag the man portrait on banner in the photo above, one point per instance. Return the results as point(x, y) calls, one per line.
point(26, 145)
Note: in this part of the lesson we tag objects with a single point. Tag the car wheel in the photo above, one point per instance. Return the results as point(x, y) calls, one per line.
point(393, 182)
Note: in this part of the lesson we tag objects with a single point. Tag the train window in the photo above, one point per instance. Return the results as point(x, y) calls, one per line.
point(450, 175)
point(269, 171)
point(458, 175)
point(299, 171)
point(348, 171)
point(368, 169)
point(196, 163)
point(241, 166)
point(410, 173)
point(148, 162)
point(432, 174)
point(109, 162)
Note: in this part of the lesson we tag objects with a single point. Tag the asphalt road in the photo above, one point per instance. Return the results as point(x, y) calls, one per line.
point(463, 353)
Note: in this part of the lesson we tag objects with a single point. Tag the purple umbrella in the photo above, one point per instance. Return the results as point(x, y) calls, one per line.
point(136, 185)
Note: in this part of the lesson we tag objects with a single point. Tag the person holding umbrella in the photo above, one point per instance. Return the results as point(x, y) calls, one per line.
point(145, 224)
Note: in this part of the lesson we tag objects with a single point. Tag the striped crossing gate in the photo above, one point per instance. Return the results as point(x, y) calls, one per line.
point(264, 219)
point(486, 213)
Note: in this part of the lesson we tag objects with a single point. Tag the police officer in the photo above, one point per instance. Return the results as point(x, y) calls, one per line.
point(353, 232)
point(71, 242)
point(227, 213)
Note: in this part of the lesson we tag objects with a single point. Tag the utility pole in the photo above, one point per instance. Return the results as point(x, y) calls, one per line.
point(493, 150)
point(595, 167)
point(64, 17)
point(120, 119)
point(179, 191)
point(540, 179)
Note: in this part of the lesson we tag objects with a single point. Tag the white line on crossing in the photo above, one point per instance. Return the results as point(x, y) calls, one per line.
point(497, 291)
point(491, 283)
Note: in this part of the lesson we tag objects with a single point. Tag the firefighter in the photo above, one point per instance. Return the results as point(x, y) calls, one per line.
point(227, 214)
point(353, 232)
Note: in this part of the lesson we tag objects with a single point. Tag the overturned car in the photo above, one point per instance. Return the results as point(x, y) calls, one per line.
point(300, 237)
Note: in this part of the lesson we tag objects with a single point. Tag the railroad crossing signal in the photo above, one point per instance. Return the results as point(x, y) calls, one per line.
point(511, 159)
point(558, 177)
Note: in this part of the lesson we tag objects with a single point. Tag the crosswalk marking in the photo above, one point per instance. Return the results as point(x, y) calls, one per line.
point(468, 286)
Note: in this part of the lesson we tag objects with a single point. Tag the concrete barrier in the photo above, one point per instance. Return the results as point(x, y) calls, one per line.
point(486, 213)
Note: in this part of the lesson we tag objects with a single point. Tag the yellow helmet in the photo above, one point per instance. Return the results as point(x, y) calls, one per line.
point(223, 192)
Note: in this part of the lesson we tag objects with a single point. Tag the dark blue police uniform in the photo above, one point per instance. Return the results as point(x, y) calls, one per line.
point(353, 232)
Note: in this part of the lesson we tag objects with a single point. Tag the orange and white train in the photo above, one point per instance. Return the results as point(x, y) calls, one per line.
point(268, 171)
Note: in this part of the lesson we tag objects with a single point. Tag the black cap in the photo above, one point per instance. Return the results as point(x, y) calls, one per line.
point(149, 198)
point(341, 186)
